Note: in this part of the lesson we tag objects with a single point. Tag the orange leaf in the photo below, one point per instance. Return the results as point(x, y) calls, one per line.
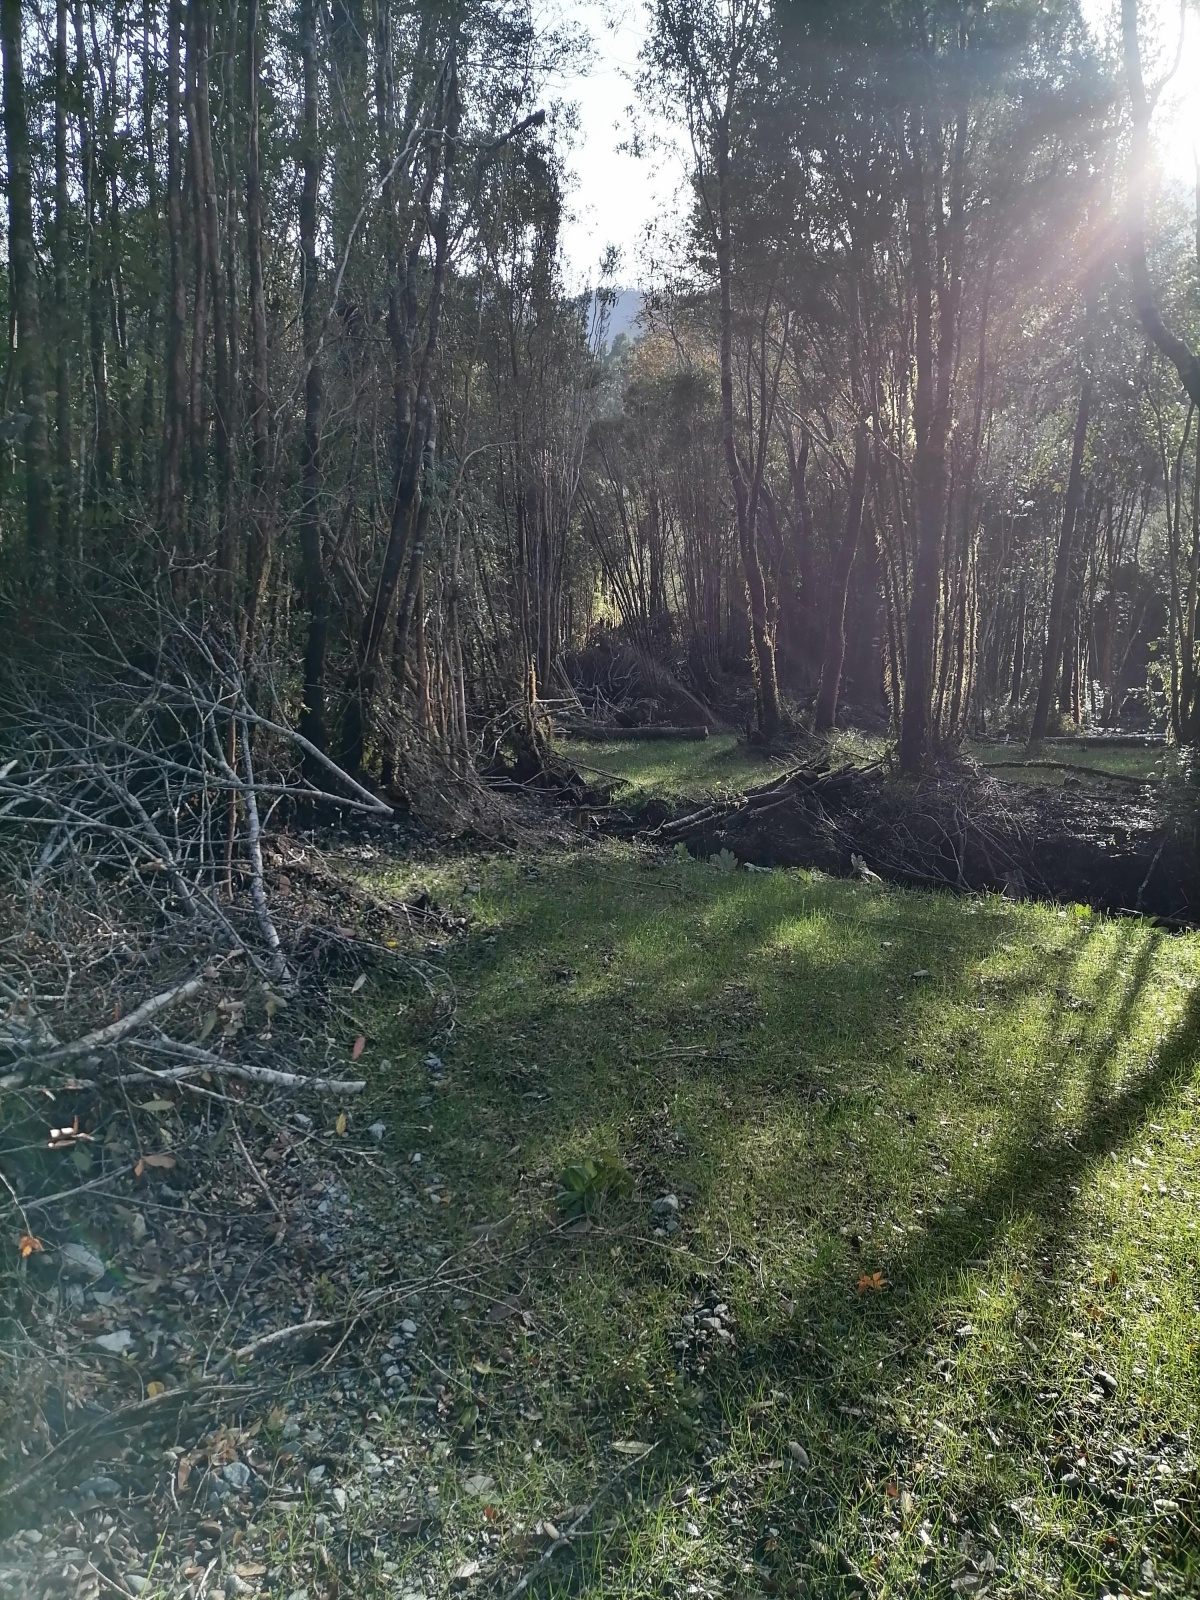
point(158, 1158)
point(27, 1244)
point(139, 1169)
point(359, 1045)
point(872, 1282)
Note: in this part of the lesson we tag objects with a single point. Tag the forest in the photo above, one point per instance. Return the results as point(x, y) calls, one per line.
point(599, 914)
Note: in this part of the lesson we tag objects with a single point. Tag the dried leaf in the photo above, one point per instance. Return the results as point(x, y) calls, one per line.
point(158, 1158)
point(872, 1283)
point(206, 1027)
point(359, 1046)
point(155, 1388)
point(358, 983)
point(340, 1125)
point(27, 1244)
point(156, 1105)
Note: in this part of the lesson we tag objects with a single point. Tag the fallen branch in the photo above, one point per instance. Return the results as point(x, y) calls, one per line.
point(114, 1032)
point(206, 1061)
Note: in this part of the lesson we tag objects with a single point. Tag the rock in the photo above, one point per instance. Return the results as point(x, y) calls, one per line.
point(30, 1536)
point(80, 1262)
point(100, 1487)
point(115, 1343)
point(377, 1131)
point(798, 1454)
point(464, 1576)
point(666, 1206)
point(316, 1474)
point(301, 1121)
point(235, 1585)
point(339, 1497)
point(237, 1474)
point(136, 1583)
point(298, 1594)
point(1106, 1381)
point(480, 1485)
point(320, 1526)
point(408, 1328)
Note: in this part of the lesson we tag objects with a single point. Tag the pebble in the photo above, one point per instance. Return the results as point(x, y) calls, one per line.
point(115, 1343)
point(101, 1486)
point(377, 1131)
point(136, 1583)
point(320, 1526)
point(316, 1474)
point(301, 1121)
point(408, 1328)
point(80, 1262)
point(666, 1205)
point(237, 1474)
point(798, 1453)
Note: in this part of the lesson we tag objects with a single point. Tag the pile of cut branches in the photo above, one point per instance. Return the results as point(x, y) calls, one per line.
point(167, 951)
point(959, 829)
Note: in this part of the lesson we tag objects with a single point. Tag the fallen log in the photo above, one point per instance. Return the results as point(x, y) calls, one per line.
point(649, 731)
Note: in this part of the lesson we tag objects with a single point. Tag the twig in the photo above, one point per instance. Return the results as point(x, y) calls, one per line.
point(279, 1336)
point(252, 1169)
point(563, 1541)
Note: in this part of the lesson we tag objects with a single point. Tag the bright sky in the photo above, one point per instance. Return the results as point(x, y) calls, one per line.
point(619, 195)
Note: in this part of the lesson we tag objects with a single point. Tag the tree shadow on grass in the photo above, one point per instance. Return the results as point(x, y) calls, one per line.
point(858, 1001)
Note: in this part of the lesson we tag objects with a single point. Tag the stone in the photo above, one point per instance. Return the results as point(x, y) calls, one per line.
point(237, 1474)
point(80, 1262)
point(115, 1343)
point(100, 1487)
point(377, 1131)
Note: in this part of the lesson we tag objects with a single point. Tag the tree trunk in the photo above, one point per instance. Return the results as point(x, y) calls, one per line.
point(23, 267)
point(1052, 657)
point(839, 585)
point(1018, 671)
point(258, 550)
point(63, 451)
point(316, 587)
point(175, 374)
point(761, 633)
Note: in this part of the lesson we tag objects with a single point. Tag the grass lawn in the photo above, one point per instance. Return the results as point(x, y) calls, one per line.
point(887, 1282)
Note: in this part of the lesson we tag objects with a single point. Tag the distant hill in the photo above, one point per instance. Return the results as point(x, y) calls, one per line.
point(623, 315)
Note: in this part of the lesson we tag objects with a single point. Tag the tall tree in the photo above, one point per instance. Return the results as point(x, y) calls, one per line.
point(23, 260)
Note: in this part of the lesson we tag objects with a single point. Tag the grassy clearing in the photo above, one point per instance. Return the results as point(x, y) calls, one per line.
point(673, 769)
point(1009, 761)
point(683, 769)
point(925, 1316)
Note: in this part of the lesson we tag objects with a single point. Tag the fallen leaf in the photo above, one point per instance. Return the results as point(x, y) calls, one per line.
point(359, 1046)
point(872, 1283)
point(158, 1158)
point(154, 1389)
point(156, 1105)
point(340, 1125)
point(358, 983)
point(27, 1244)
point(630, 1447)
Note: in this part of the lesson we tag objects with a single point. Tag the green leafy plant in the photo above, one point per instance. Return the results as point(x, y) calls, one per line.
point(681, 852)
point(724, 861)
point(587, 1184)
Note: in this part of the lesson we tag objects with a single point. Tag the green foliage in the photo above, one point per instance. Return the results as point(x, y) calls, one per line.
point(586, 1186)
point(724, 861)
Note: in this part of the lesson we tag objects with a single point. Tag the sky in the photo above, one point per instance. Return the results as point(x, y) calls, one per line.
point(618, 195)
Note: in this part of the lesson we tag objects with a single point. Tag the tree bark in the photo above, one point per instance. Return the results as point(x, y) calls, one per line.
point(23, 266)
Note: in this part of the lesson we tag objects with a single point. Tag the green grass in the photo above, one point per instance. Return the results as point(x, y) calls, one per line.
point(692, 769)
point(1010, 762)
point(675, 769)
point(990, 1105)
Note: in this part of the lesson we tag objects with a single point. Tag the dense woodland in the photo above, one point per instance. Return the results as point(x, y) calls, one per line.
point(907, 429)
